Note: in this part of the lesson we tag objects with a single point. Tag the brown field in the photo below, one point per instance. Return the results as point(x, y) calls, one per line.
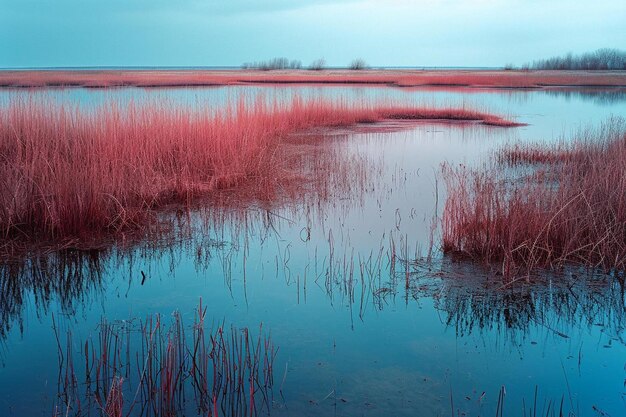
point(397, 78)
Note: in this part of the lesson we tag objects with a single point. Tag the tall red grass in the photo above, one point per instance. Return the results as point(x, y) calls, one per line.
point(524, 154)
point(115, 399)
point(214, 371)
point(570, 209)
point(70, 172)
point(401, 78)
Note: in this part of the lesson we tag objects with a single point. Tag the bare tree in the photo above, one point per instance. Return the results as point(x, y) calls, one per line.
point(601, 59)
point(318, 64)
point(358, 64)
point(273, 64)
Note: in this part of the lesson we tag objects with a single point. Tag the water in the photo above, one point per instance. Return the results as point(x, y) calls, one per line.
point(355, 335)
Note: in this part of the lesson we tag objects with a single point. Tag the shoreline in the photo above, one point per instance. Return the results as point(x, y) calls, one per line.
point(155, 156)
point(497, 79)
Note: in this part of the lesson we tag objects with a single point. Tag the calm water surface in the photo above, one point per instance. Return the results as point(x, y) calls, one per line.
point(358, 333)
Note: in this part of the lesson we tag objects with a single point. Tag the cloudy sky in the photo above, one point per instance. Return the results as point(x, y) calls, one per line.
point(53, 33)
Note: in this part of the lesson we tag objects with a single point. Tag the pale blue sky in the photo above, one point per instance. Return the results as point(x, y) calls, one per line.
point(49, 33)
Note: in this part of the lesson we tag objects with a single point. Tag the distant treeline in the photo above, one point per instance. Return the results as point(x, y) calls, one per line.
point(602, 59)
point(273, 64)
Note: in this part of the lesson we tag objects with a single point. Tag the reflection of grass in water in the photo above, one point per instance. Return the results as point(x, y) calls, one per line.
point(481, 306)
point(475, 301)
point(155, 369)
point(601, 96)
point(534, 406)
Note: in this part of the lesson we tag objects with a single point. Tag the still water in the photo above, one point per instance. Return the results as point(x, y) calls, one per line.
point(367, 319)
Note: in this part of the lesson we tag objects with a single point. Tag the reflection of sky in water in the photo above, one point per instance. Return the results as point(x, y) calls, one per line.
point(382, 347)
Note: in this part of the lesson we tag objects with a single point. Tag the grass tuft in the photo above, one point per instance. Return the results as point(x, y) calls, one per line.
point(67, 172)
point(569, 209)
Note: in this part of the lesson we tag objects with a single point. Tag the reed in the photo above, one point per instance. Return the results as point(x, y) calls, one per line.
point(525, 154)
point(68, 173)
point(569, 209)
point(156, 370)
point(319, 75)
point(115, 399)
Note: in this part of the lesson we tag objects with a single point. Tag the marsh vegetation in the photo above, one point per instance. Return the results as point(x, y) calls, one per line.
point(277, 249)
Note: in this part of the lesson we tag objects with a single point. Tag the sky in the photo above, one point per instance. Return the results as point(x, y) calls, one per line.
point(472, 33)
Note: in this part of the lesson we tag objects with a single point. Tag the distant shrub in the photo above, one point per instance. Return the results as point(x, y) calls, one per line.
point(358, 64)
point(273, 64)
point(602, 59)
point(318, 64)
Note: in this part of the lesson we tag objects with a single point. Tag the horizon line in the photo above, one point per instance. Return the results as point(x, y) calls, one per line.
point(233, 67)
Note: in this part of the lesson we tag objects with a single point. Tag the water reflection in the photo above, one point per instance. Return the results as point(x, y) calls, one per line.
point(478, 301)
point(599, 96)
point(69, 277)
point(558, 309)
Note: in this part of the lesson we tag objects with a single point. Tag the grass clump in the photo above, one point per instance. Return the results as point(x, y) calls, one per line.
point(565, 205)
point(67, 172)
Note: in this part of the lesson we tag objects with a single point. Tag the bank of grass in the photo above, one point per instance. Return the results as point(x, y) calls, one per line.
point(67, 172)
point(320, 75)
point(557, 205)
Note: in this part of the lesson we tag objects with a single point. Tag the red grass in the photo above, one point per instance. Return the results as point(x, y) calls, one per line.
point(399, 113)
point(537, 154)
point(217, 372)
point(402, 78)
point(115, 399)
point(67, 172)
point(572, 210)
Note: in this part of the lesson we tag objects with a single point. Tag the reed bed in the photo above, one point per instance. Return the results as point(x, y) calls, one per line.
point(399, 78)
point(569, 209)
point(152, 369)
point(67, 172)
point(520, 155)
